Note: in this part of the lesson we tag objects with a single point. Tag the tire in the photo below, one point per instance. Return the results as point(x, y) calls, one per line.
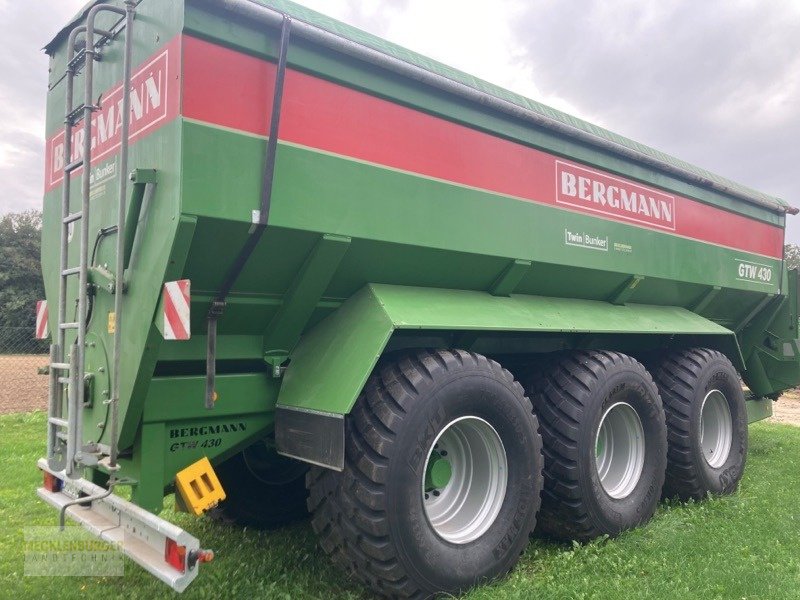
point(263, 489)
point(373, 518)
point(691, 381)
point(573, 396)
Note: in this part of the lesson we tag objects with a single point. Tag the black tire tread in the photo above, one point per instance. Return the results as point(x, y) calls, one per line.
point(350, 519)
point(560, 393)
point(677, 377)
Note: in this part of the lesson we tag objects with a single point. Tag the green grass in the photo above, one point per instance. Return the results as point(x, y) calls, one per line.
point(742, 546)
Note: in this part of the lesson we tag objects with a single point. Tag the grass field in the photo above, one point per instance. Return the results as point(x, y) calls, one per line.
point(743, 546)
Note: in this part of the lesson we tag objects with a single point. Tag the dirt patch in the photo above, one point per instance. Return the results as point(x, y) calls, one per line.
point(787, 408)
point(21, 387)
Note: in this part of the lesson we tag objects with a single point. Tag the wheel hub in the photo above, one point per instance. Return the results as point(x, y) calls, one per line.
point(466, 474)
point(619, 450)
point(438, 473)
point(716, 429)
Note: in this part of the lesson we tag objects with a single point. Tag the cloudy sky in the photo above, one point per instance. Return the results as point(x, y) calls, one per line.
point(715, 82)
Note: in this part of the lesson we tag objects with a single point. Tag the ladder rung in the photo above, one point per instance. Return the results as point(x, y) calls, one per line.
point(71, 271)
point(61, 435)
point(75, 164)
point(58, 422)
point(75, 117)
point(72, 217)
point(65, 380)
point(78, 58)
point(62, 366)
point(69, 325)
point(79, 113)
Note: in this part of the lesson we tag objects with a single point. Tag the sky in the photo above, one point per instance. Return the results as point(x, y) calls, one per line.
point(716, 83)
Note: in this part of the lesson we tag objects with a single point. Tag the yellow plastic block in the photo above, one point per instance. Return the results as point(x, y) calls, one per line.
point(199, 486)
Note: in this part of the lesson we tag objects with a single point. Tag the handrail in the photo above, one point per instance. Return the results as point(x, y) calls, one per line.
point(260, 224)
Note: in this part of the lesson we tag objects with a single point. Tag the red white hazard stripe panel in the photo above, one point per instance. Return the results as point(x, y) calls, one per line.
point(176, 310)
point(41, 320)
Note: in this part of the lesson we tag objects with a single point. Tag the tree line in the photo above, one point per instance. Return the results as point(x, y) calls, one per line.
point(20, 270)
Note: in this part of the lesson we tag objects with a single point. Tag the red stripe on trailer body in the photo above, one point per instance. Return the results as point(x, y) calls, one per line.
point(176, 303)
point(227, 88)
point(155, 101)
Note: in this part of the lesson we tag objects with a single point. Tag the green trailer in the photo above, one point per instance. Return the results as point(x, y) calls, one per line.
point(293, 267)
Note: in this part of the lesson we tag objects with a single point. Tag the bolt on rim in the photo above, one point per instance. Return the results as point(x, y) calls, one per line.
point(619, 450)
point(716, 429)
point(466, 475)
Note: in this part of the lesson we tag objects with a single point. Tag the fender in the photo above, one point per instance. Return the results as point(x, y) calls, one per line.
point(330, 365)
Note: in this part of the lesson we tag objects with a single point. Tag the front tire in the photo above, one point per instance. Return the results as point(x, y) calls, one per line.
point(441, 481)
point(605, 444)
point(706, 421)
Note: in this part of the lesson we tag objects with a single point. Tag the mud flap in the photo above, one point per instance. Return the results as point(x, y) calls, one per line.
point(312, 436)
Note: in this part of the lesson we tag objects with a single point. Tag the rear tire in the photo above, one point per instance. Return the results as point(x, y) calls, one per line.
point(706, 423)
point(388, 519)
point(264, 490)
point(605, 447)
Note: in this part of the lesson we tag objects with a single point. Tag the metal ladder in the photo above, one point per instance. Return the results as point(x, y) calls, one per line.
point(67, 369)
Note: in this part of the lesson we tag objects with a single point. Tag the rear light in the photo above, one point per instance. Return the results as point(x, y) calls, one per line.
point(52, 483)
point(175, 555)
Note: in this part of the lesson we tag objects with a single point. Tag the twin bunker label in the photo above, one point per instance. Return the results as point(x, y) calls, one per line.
point(585, 240)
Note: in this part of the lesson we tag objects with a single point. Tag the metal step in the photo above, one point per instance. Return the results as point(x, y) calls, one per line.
point(58, 422)
point(80, 56)
point(72, 217)
point(72, 325)
point(139, 534)
point(58, 365)
point(78, 59)
point(104, 34)
point(76, 164)
point(71, 271)
point(76, 116)
point(79, 113)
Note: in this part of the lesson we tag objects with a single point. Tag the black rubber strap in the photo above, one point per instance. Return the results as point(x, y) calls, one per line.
point(218, 305)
